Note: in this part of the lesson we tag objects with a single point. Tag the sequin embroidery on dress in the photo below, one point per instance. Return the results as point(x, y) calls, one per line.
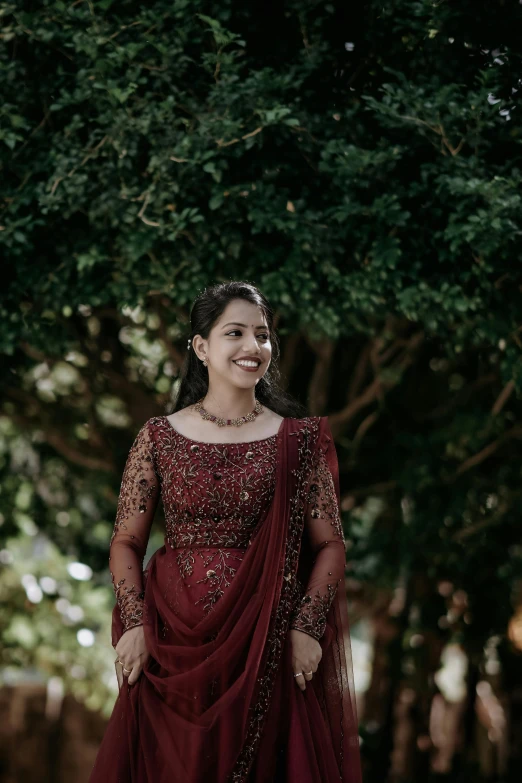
point(325, 530)
point(214, 496)
point(218, 494)
point(137, 502)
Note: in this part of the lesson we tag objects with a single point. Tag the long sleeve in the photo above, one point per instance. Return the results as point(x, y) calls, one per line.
point(324, 529)
point(137, 503)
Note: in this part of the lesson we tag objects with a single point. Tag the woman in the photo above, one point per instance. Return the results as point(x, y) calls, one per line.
point(234, 641)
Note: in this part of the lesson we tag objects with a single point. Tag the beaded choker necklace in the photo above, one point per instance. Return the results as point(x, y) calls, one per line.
point(258, 408)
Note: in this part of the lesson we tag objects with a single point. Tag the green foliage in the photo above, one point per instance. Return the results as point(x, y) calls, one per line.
point(153, 148)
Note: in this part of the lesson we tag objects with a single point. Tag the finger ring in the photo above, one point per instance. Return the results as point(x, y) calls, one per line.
point(127, 670)
point(300, 674)
point(309, 672)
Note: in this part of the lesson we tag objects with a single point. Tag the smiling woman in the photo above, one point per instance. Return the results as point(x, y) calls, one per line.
point(234, 641)
point(232, 362)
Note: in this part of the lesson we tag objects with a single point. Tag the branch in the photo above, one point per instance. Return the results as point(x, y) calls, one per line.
point(122, 28)
point(447, 143)
point(439, 130)
point(87, 157)
point(392, 349)
point(487, 451)
point(501, 279)
point(287, 361)
point(359, 373)
point(503, 397)
point(37, 355)
point(304, 33)
point(484, 523)
point(73, 455)
point(222, 143)
point(378, 359)
point(376, 364)
point(35, 130)
point(318, 386)
point(364, 426)
point(141, 213)
point(61, 445)
point(339, 420)
point(460, 397)
point(310, 163)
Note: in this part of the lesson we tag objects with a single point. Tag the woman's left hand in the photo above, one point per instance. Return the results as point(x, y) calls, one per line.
point(306, 656)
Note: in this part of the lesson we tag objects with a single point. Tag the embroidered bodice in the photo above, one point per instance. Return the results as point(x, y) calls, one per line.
point(214, 495)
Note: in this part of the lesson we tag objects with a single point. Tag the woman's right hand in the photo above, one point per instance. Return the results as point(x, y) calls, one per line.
point(132, 652)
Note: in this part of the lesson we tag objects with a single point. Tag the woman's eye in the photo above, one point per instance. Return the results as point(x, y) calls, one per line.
point(264, 336)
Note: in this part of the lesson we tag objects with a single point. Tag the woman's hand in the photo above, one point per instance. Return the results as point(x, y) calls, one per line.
point(133, 653)
point(306, 655)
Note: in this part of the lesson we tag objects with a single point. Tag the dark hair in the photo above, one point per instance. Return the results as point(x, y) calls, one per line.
point(206, 309)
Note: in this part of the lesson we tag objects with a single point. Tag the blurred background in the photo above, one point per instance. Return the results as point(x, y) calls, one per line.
point(362, 165)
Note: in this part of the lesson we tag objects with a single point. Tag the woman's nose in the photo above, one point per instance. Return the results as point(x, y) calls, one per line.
point(252, 345)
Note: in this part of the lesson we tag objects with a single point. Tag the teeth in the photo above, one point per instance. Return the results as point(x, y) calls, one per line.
point(247, 363)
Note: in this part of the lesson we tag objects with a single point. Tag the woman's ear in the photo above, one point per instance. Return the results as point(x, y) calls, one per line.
point(199, 345)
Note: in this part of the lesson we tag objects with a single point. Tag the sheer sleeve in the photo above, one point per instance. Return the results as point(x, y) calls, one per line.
point(137, 503)
point(324, 529)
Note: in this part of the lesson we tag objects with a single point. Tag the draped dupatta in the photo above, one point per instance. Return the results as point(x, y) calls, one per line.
point(199, 708)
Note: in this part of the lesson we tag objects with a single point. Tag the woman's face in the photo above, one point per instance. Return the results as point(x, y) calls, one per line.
point(241, 333)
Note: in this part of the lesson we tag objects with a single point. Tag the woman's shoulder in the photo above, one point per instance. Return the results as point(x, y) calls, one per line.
point(152, 423)
point(307, 424)
point(148, 429)
point(306, 419)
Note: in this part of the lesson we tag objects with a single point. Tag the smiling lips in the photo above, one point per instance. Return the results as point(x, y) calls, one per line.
point(247, 364)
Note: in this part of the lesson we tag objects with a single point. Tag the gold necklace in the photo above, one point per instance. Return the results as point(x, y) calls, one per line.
point(258, 408)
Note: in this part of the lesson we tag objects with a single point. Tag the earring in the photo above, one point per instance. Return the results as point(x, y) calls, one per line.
point(204, 362)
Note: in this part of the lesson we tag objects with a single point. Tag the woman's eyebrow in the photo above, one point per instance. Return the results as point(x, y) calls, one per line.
point(235, 323)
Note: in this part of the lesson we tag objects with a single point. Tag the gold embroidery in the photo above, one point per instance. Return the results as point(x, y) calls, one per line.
point(221, 490)
point(311, 618)
point(218, 577)
point(218, 497)
point(311, 614)
point(137, 501)
point(306, 439)
point(322, 498)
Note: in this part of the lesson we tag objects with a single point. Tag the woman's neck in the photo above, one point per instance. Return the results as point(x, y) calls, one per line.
point(231, 404)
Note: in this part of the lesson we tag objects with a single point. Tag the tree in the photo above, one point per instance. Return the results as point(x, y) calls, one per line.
point(361, 166)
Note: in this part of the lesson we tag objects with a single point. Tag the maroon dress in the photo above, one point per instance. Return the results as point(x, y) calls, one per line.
point(253, 547)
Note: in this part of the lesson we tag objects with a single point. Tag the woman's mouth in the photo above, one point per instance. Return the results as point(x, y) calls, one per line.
point(246, 365)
